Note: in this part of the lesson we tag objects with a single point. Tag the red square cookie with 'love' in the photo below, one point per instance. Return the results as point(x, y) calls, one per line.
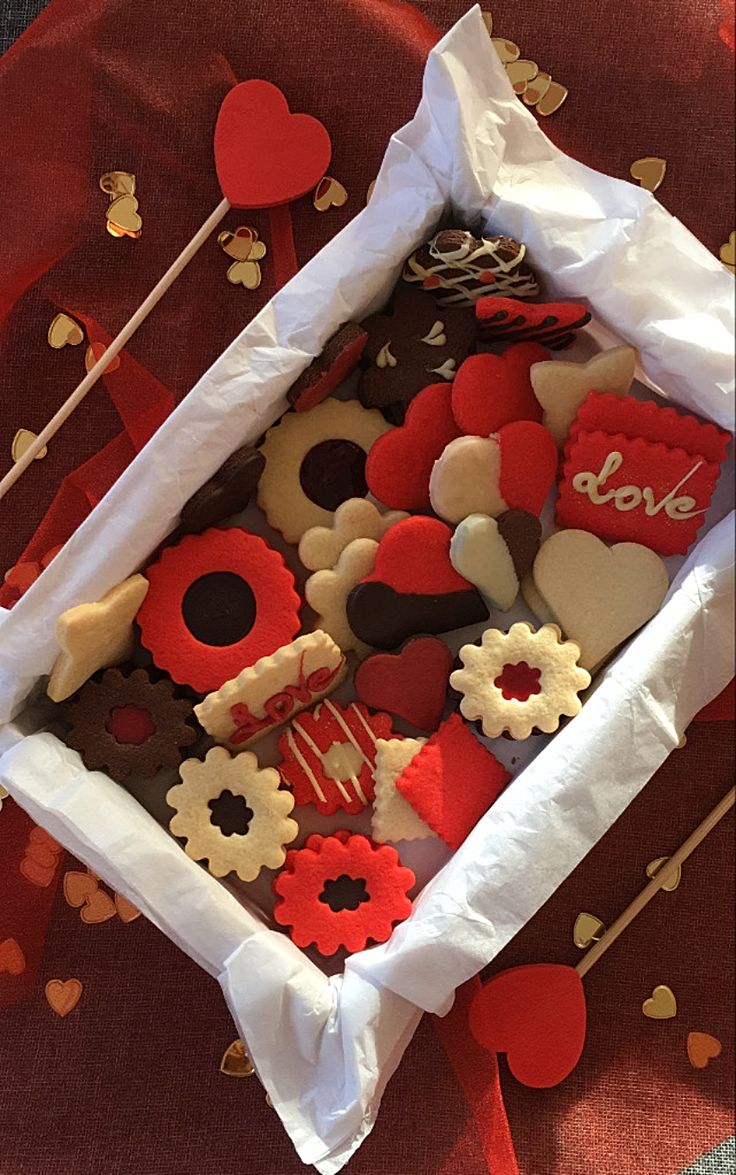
point(629, 485)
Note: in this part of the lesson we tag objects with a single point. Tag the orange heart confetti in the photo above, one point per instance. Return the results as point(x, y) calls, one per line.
point(80, 889)
point(127, 912)
point(702, 1048)
point(41, 858)
point(649, 171)
point(94, 352)
point(63, 995)
point(235, 1061)
point(12, 959)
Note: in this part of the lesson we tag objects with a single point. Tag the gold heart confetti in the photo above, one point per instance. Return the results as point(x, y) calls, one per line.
point(63, 995)
point(649, 171)
point(506, 50)
point(520, 73)
point(64, 330)
point(329, 193)
point(537, 88)
point(22, 440)
point(654, 867)
point(552, 99)
point(702, 1048)
point(727, 253)
point(236, 1062)
point(4, 794)
point(661, 1005)
point(94, 352)
point(487, 18)
point(369, 192)
point(587, 930)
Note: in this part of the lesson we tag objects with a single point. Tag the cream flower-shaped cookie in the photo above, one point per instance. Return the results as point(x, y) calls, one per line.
point(95, 636)
point(327, 592)
point(315, 461)
point(232, 813)
point(393, 818)
point(521, 679)
point(321, 546)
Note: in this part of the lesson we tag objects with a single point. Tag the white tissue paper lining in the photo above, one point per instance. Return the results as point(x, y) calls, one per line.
point(325, 1047)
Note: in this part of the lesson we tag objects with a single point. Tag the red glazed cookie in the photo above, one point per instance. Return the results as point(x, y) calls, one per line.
point(217, 602)
point(492, 390)
point(342, 891)
point(606, 412)
point(413, 587)
point(551, 323)
point(328, 756)
point(412, 684)
point(325, 373)
point(452, 781)
point(400, 462)
point(458, 268)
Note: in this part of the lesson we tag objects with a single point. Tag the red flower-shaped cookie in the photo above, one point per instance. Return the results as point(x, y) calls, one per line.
point(551, 323)
point(328, 756)
point(492, 390)
point(342, 891)
point(400, 462)
point(216, 603)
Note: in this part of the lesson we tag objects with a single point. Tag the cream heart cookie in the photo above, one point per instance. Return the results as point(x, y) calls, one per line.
point(494, 554)
point(561, 387)
point(599, 595)
point(321, 546)
point(327, 591)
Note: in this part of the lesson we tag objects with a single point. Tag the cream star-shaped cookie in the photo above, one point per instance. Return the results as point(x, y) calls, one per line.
point(327, 592)
point(561, 386)
point(94, 636)
point(321, 546)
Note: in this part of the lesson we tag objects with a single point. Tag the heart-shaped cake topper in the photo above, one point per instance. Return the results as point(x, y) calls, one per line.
point(264, 154)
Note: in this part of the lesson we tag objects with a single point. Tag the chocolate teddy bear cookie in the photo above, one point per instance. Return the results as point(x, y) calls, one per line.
point(411, 346)
point(458, 268)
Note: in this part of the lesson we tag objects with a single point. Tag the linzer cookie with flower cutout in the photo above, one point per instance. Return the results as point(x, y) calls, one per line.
point(637, 472)
point(458, 268)
point(329, 756)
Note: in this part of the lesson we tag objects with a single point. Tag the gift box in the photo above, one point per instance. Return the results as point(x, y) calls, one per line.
point(324, 1046)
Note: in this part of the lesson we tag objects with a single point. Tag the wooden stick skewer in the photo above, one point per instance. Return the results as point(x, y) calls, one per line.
point(663, 875)
point(115, 347)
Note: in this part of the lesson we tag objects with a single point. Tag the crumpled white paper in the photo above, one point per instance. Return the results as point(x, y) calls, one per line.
point(325, 1047)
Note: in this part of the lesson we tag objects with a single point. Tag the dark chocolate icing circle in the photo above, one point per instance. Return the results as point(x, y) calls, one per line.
point(219, 608)
point(332, 472)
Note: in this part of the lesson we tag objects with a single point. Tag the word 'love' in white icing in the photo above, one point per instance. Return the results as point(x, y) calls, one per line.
point(628, 497)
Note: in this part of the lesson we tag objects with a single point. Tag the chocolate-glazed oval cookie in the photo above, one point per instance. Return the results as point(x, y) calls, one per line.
point(458, 268)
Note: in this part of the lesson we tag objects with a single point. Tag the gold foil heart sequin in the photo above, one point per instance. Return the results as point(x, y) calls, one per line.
point(520, 73)
point(64, 331)
point(727, 253)
point(649, 171)
point(552, 99)
point(654, 867)
point(123, 218)
point(22, 440)
point(661, 1005)
point(247, 251)
point(236, 1062)
point(329, 193)
point(587, 930)
point(94, 352)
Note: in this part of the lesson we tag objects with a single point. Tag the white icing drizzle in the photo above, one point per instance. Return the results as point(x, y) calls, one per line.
point(320, 755)
point(446, 370)
point(384, 358)
point(436, 337)
point(302, 761)
point(454, 268)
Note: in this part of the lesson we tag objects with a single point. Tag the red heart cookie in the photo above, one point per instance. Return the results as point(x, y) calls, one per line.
point(492, 390)
point(528, 465)
point(264, 154)
point(536, 1015)
point(400, 462)
point(411, 683)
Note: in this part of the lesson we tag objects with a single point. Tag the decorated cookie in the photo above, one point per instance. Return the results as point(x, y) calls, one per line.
point(226, 493)
point(342, 891)
point(496, 553)
point(126, 724)
point(452, 781)
point(217, 603)
point(314, 462)
point(551, 323)
point(458, 268)
point(400, 462)
point(328, 756)
point(273, 690)
point(492, 390)
point(412, 684)
point(513, 469)
point(93, 636)
point(416, 344)
point(320, 547)
point(639, 473)
point(325, 373)
point(599, 595)
point(327, 593)
point(413, 587)
point(232, 814)
point(520, 680)
point(393, 818)
point(561, 387)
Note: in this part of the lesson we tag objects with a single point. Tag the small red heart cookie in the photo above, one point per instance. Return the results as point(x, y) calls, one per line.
point(264, 154)
point(399, 463)
point(411, 683)
point(492, 390)
point(413, 587)
point(551, 323)
point(536, 1015)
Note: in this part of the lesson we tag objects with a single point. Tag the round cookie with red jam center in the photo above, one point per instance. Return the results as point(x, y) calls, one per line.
point(216, 603)
point(329, 756)
point(342, 891)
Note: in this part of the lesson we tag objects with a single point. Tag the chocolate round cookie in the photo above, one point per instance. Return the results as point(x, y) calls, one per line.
point(226, 493)
point(458, 268)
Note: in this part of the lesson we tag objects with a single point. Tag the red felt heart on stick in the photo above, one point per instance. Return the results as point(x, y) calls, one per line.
point(264, 154)
point(536, 1015)
point(411, 683)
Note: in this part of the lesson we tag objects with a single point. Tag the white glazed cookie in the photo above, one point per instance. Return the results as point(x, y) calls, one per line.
point(561, 386)
point(273, 690)
point(269, 827)
point(320, 547)
point(520, 679)
point(327, 592)
point(464, 480)
point(479, 552)
point(393, 817)
point(298, 444)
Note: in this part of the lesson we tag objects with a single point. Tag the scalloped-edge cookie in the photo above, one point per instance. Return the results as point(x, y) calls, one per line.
point(273, 690)
point(393, 818)
point(320, 547)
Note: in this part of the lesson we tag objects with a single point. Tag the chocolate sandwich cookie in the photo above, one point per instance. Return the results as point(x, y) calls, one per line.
point(226, 493)
point(325, 373)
